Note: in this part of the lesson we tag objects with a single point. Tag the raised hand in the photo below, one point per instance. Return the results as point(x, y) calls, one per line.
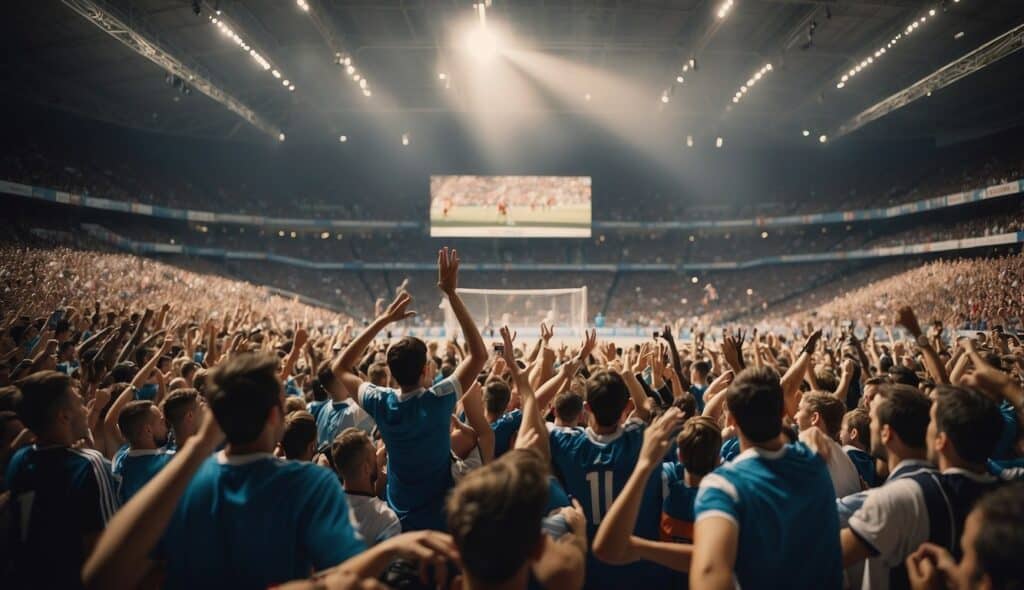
point(508, 338)
point(588, 345)
point(546, 332)
point(905, 317)
point(812, 341)
point(398, 310)
point(447, 270)
point(657, 435)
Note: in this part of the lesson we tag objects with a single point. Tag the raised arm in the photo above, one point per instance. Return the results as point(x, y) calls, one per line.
point(121, 558)
point(298, 342)
point(908, 320)
point(547, 392)
point(473, 405)
point(110, 422)
point(677, 364)
point(533, 422)
point(845, 379)
point(636, 391)
point(791, 380)
point(476, 352)
point(615, 542)
point(343, 365)
point(714, 398)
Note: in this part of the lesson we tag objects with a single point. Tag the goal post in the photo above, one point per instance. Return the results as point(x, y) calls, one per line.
point(523, 310)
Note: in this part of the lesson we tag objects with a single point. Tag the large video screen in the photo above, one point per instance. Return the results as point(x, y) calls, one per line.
point(510, 206)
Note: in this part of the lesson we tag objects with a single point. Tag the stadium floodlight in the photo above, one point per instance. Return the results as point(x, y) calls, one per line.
point(879, 52)
point(481, 43)
point(405, 139)
point(754, 79)
point(764, 235)
point(280, 136)
point(233, 32)
point(680, 79)
point(665, 97)
point(342, 138)
point(341, 57)
point(992, 51)
point(806, 132)
point(107, 19)
point(694, 280)
point(822, 138)
point(719, 142)
point(689, 142)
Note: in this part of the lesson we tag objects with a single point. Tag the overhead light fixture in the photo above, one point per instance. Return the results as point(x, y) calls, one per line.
point(718, 142)
point(405, 139)
point(822, 138)
point(689, 143)
point(664, 97)
point(680, 79)
point(342, 138)
point(280, 137)
point(481, 43)
point(806, 133)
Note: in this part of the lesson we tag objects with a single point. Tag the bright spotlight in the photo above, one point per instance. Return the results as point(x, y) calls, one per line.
point(823, 138)
point(806, 133)
point(718, 142)
point(586, 97)
point(694, 280)
point(689, 143)
point(481, 43)
point(764, 235)
point(664, 97)
point(680, 79)
point(405, 139)
point(280, 137)
point(343, 138)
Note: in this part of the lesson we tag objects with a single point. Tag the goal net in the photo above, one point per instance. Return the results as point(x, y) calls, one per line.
point(523, 310)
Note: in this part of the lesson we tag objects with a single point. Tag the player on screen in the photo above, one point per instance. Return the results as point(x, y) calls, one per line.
point(446, 206)
point(503, 216)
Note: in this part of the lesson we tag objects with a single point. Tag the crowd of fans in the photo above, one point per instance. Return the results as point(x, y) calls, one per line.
point(162, 427)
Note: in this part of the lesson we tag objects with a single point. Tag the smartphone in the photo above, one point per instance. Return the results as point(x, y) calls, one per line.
point(618, 351)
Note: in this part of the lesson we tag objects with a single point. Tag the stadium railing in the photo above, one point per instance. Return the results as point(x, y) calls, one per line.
point(136, 247)
point(856, 215)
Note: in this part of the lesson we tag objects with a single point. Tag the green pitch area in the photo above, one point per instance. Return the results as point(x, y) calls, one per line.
point(462, 216)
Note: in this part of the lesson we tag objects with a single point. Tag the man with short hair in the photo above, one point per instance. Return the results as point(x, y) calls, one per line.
point(143, 426)
point(594, 464)
point(568, 408)
point(495, 516)
point(992, 544)
point(697, 453)
point(183, 411)
point(505, 424)
point(298, 442)
point(414, 420)
point(898, 517)
point(355, 460)
point(699, 372)
point(767, 518)
point(61, 496)
point(824, 411)
point(339, 411)
point(855, 436)
point(247, 518)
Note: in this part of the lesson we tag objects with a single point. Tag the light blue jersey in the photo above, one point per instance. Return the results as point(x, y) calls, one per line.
point(253, 521)
point(414, 426)
point(784, 507)
point(333, 417)
point(138, 467)
point(594, 469)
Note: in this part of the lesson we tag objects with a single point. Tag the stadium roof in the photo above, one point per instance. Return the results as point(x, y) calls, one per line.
point(56, 57)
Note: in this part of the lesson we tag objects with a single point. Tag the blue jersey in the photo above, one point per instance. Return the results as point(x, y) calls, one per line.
point(138, 467)
point(119, 456)
point(697, 391)
point(864, 463)
point(333, 417)
point(505, 429)
point(59, 496)
point(730, 448)
point(773, 497)
point(414, 427)
point(252, 521)
point(594, 469)
point(677, 504)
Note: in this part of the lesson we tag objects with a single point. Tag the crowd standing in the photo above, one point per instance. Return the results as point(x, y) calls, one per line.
point(187, 431)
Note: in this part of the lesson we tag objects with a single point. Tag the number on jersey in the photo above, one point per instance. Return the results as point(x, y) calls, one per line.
point(597, 491)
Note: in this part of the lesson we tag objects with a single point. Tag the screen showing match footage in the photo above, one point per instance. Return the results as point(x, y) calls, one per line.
point(510, 206)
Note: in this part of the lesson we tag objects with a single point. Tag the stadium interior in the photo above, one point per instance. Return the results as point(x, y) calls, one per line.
point(771, 166)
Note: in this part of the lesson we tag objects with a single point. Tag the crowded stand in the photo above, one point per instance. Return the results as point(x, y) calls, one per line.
point(324, 296)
